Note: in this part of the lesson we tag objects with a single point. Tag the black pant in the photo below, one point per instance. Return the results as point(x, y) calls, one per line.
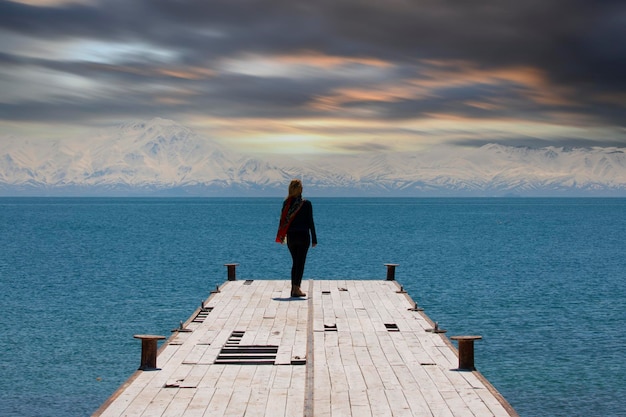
point(298, 244)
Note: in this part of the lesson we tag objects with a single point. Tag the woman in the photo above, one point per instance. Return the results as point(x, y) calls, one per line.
point(296, 220)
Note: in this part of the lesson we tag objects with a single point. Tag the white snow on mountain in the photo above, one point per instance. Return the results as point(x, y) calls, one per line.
point(161, 157)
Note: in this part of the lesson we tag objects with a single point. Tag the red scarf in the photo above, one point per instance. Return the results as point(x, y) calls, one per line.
point(290, 209)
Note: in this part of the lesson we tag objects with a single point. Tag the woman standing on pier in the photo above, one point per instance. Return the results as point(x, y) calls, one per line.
point(296, 220)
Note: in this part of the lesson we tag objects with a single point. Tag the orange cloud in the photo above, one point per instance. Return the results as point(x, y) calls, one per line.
point(316, 59)
point(534, 82)
point(187, 73)
point(376, 93)
point(530, 83)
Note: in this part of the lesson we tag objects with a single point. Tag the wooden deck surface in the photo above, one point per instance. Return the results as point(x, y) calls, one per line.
point(351, 348)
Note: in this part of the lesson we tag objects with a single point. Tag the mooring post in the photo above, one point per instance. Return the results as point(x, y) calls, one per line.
point(391, 271)
point(232, 276)
point(466, 351)
point(148, 351)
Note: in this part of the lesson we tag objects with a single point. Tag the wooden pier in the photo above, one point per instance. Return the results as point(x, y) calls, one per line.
point(350, 348)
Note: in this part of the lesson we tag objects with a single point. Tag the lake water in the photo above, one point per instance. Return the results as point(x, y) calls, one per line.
point(542, 280)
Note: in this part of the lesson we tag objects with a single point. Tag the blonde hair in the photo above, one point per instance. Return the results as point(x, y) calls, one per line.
point(295, 188)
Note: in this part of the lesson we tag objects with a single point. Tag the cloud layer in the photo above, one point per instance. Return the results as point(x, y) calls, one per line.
point(323, 76)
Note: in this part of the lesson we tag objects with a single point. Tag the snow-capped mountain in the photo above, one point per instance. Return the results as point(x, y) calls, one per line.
point(161, 157)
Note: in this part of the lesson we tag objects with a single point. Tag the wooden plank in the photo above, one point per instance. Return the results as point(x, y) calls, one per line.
point(474, 403)
point(228, 377)
point(296, 392)
point(257, 403)
point(156, 405)
point(415, 400)
point(219, 401)
point(194, 377)
point(389, 348)
point(347, 299)
point(340, 403)
point(321, 376)
point(378, 404)
point(371, 377)
point(359, 403)
point(180, 402)
point(195, 355)
point(246, 375)
point(238, 402)
point(346, 350)
point(354, 377)
point(455, 402)
point(282, 377)
point(262, 376)
point(126, 397)
point(198, 404)
point(153, 393)
point(338, 378)
point(212, 376)
point(492, 403)
point(277, 406)
point(318, 310)
point(387, 375)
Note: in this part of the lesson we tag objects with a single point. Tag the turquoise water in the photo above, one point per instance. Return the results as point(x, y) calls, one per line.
point(542, 280)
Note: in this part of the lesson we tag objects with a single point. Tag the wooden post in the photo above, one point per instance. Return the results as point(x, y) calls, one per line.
point(391, 271)
point(466, 351)
point(148, 351)
point(232, 276)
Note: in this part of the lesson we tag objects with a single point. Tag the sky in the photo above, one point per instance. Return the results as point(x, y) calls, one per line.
point(320, 77)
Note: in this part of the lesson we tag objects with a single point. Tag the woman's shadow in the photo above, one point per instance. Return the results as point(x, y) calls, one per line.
point(289, 298)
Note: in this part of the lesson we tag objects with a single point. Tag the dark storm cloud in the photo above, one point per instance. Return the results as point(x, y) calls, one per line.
point(578, 45)
point(573, 39)
point(550, 34)
point(188, 25)
point(55, 22)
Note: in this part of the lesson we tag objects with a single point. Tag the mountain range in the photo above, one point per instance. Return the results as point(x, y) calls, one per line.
point(163, 158)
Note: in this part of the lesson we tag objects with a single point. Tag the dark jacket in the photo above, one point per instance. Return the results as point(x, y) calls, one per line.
point(303, 221)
